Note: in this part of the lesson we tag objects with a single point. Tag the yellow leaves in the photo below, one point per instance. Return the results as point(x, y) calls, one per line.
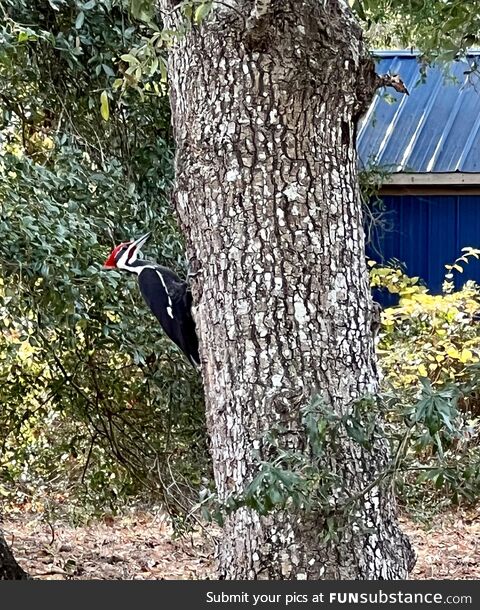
point(386, 321)
point(467, 356)
point(113, 317)
point(422, 371)
point(409, 290)
point(104, 106)
point(427, 335)
point(394, 280)
point(463, 356)
point(448, 285)
point(452, 352)
point(25, 351)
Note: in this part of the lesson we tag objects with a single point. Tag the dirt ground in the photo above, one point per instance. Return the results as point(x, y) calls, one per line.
point(142, 547)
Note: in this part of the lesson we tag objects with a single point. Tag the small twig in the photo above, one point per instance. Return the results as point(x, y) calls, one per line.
point(392, 80)
point(52, 530)
point(89, 455)
point(51, 572)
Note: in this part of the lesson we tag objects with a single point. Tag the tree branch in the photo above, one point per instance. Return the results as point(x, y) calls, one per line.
point(392, 80)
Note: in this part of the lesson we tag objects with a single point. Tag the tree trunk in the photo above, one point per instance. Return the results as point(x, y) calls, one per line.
point(265, 106)
point(9, 568)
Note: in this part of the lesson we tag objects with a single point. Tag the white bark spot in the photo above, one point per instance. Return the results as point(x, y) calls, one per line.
point(264, 234)
point(281, 217)
point(300, 312)
point(291, 192)
point(232, 175)
point(277, 381)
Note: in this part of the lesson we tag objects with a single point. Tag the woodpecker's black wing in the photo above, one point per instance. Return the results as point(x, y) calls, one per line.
point(170, 300)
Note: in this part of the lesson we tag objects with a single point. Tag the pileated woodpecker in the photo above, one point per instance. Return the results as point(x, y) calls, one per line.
point(166, 294)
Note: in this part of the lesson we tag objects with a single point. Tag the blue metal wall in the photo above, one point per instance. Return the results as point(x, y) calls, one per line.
point(428, 231)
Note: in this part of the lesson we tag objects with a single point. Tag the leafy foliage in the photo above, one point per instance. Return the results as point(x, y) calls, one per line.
point(96, 404)
point(429, 352)
point(440, 28)
point(432, 336)
point(302, 478)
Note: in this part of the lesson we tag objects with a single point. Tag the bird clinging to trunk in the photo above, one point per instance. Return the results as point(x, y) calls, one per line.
point(167, 295)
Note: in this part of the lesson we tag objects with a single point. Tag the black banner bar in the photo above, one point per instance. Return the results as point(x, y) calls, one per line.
point(262, 595)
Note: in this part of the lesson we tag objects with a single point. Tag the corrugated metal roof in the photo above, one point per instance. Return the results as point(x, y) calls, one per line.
point(434, 129)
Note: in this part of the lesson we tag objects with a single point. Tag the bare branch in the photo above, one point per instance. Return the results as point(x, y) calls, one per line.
point(392, 80)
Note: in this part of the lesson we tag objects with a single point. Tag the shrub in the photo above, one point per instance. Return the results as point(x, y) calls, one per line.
point(429, 352)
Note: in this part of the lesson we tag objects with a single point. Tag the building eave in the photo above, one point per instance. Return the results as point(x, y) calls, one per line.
point(433, 179)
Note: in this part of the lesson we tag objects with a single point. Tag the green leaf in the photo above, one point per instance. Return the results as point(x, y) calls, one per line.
point(108, 70)
point(79, 21)
point(201, 12)
point(358, 8)
point(129, 58)
point(104, 106)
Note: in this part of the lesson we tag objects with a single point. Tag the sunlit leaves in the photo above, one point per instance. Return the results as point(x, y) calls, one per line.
point(104, 106)
point(202, 10)
point(79, 21)
point(438, 28)
point(91, 392)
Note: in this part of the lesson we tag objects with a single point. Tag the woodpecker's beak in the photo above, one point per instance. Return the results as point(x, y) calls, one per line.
point(140, 242)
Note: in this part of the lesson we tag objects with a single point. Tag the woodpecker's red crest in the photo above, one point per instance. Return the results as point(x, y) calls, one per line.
point(111, 262)
point(124, 255)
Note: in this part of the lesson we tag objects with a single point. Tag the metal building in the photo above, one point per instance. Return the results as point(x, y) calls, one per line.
point(430, 141)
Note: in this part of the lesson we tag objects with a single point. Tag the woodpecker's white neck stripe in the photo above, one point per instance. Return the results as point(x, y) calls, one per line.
point(139, 269)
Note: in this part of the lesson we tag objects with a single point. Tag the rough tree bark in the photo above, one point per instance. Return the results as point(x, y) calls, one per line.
point(265, 99)
point(9, 568)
